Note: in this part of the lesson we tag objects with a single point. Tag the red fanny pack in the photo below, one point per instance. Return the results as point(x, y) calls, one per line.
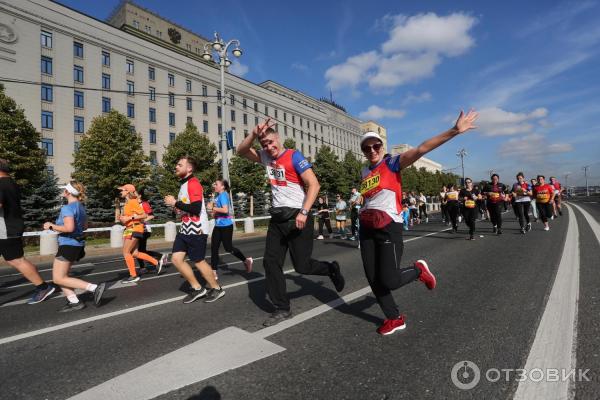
point(374, 219)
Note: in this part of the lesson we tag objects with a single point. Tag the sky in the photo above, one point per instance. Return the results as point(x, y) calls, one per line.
point(529, 68)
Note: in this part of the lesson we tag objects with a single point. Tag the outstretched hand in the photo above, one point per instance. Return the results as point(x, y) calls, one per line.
point(260, 129)
point(466, 122)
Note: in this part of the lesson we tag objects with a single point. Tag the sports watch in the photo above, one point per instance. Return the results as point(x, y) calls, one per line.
point(304, 211)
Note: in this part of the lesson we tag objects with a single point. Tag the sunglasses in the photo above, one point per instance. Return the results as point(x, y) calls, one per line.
point(368, 149)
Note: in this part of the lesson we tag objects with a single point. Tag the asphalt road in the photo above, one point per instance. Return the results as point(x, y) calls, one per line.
point(491, 297)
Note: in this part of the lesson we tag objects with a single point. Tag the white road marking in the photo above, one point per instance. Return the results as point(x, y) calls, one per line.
point(555, 340)
point(591, 221)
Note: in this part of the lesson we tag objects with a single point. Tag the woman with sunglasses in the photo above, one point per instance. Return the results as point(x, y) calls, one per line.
point(452, 206)
point(470, 196)
point(380, 234)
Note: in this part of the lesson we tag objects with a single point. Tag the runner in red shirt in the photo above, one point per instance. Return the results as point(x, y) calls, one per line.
point(557, 196)
point(544, 196)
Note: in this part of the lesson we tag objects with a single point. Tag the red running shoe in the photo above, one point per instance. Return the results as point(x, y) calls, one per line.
point(426, 276)
point(390, 326)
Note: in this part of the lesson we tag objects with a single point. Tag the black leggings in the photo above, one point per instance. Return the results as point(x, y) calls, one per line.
point(142, 243)
point(327, 223)
point(222, 234)
point(452, 207)
point(470, 215)
point(495, 213)
point(381, 251)
point(423, 211)
point(545, 211)
point(445, 215)
point(522, 211)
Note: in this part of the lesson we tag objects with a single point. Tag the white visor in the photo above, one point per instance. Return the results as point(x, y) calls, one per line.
point(69, 188)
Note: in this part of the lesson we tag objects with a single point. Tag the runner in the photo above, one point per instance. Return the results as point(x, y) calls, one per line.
point(544, 196)
point(534, 211)
point(11, 235)
point(494, 193)
point(412, 206)
point(469, 196)
point(323, 213)
point(556, 204)
point(223, 230)
point(452, 206)
point(340, 216)
point(132, 218)
point(143, 243)
point(422, 200)
point(480, 204)
point(192, 236)
point(381, 242)
point(522, 201)
point(355, 204)
point(443, 200)
point(295, 188)
point(69, 225)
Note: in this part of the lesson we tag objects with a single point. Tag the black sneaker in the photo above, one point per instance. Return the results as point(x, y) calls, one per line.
point(214, 295)
point(560, 212)
point(131, 279)
point(277, 316)
point(98, 293)
point(522, 231)
point(72, 307)
point(470, 237)
point(336, 276)
point(41, 294)
point(495, 230)
point(499, 232)
point(194, 295)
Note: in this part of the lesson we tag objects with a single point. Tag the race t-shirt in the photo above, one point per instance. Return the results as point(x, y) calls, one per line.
point(223, 219)
point(76, 211)
point(521, 189)
point(494, 193)
point(381, 187)
point(131, 207)
point(191, 191)
point(11, 215)
point(543, 193)
point(284, 174)
point(470, 197)
point(452, 196)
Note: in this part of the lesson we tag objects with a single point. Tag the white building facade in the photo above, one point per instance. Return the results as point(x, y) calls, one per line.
point(65, 68)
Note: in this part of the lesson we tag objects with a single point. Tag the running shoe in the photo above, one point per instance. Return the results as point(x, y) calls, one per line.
point(194, 295)
point(390, 326)
point(470, 237)
point(528, 226)
point(426, 276)
point(214, 295)
point(336, 276)
point(41, 294)
point(522, 231)
point(427, 220)
point(161, 263)
point(546, 228)
point(98, 293)
point(495, 229)
point(320, 237)
point(131, 279)
point(560, 212)
point(352, 238)
point(499, 232)
point(72, 306)
point(248, 264)
point(277, 316)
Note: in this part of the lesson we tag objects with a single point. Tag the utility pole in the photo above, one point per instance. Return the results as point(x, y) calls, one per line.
point(587, 190)
point(567, 182)
point(462, 153)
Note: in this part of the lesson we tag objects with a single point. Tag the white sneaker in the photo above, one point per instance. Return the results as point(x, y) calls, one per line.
point(546, 228)
point(459, 218)
point(320, 237)
point(248, 264)
point(161, 263)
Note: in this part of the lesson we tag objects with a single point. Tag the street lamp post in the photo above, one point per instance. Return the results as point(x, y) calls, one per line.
point(219, 46)
point(462, 153)
point(587, 190)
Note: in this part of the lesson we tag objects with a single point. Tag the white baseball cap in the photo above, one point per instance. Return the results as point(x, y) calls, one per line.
point(69, 188)
point(369, 135)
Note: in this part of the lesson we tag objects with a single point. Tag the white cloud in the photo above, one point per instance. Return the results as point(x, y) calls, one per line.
point(419, 98)
point(495, 121)
point(239, 69)
point(532, 147)
point(299, 67)
point(415, 47)
point(376, 113)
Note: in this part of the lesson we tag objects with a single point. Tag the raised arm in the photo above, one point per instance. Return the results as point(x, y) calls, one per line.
point(464, 123)
point(245, 148)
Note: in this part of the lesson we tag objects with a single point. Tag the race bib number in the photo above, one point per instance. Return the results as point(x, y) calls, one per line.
point(543, 197)
point(469, 203)
point(277, 175)
point(494, 195)
point(370, 183)
point(452, 196)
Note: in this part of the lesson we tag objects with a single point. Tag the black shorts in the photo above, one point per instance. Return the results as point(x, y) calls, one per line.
point(11, 249)
point(70, 253)
point(193, 245)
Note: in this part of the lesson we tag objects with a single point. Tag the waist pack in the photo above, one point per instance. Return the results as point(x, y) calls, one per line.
point(374, 219)
point(283, 214)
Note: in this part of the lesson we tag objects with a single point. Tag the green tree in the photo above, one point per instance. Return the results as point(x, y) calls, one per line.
point(189, 142)
point(109, 155)
point(289, 143)
point(19, 144)
point(151, 193)
point(247, 177)
point(329, 171)
point(41, 204)
point(351, 168)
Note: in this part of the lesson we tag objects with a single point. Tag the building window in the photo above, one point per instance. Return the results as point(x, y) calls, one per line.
point(78, 73)
point(204, 91)
point(285, 130)
point(245, 118)
point(48, 146)
point(171, 137)
point(219, 95)
point(130, 110)
point(245, 133)
point(232, 99)
point(244, 105)
point(151, 73)
point(153, 136)
point(189, 120)
point(232, 115)
point(171, 99)
point(130, 88)
point(255, 106)
point(266, 110)
point(284, 117)
point(106, 58)
point(171, 119)
point(300, 122)
point(106, 104)
point(132, 129)
point(171, 80)
point(106, 81)
point(204, 108)
point(78, 125)
point(129, 66)
point(219, 112)
point(46, 65)
point(276, 114)
point(294, 132)
point(46, 39)
point(47, 120)
point(188, 103)
point(78, 100)
point(47, 94)
point(77, 50)
point(188, 85)
point(205, 126)
point(153, 158)
point(255, 120)
point(76, 146)
point(152, 93)
point(136, 24)
point(220, 129)
point(293, 119)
